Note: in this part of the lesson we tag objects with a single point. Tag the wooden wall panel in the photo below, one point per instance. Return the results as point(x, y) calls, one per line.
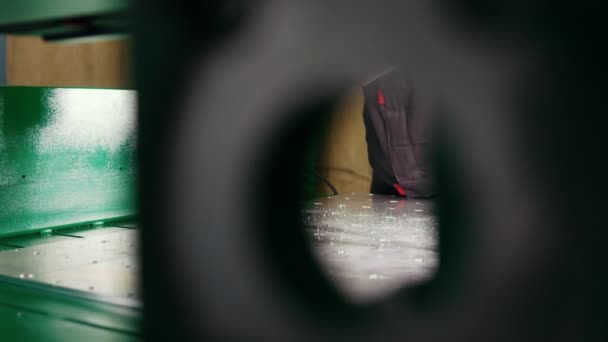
point(100, 64)
point(344, 159)
point(2, 59)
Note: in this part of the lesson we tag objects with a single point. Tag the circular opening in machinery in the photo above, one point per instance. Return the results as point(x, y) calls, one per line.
point(368, 218)
point(373, 231)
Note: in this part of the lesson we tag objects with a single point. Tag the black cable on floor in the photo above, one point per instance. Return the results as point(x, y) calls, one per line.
point(327, 182)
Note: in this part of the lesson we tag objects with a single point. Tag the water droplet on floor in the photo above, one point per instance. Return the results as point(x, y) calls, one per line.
point(30, 276)
point(91, 288)
point(341, 252)
point(418, 210)
point(38, 252)
point(22, 276)
point(373, 276)
point(366, 207)
point(394, 201)
point(105, 241)
point(93, 262)
point(318, 203)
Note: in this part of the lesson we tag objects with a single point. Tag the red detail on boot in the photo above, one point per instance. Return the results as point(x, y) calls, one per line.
point(380, 97)
point(399, 189)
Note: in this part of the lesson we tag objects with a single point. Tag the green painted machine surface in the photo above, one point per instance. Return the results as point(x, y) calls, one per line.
point(65, 19)
point(67, 157)
point(68, 270)
point(34, 312)
point(25, 11)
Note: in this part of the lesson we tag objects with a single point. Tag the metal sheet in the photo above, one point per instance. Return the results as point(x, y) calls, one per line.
point(31, 311)
point(373, 244)
point(101, 260)
point(23, 325)
point(32, 11)
point(67, 156)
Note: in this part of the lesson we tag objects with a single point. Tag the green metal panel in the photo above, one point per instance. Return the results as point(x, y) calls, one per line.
point(26, 11)
point(59, 20)
point(67, 157)
point(36, 312)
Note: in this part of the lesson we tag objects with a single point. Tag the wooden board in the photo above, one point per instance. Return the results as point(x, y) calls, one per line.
point(344, 158)
point(100, 64)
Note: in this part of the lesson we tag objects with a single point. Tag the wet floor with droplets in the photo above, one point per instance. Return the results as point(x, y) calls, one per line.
point(101, 260)
point(372, 245)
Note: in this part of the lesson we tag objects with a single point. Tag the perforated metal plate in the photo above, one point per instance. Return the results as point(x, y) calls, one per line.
point(99, 260)
point(374, 244)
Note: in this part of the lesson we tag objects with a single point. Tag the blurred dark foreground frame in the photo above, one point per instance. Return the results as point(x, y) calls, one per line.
point(230, 89)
